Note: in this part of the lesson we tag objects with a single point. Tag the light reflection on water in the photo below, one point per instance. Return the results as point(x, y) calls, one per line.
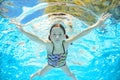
point(93, 57)
point(20, 57)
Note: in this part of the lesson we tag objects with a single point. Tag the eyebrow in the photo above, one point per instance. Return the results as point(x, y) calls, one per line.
point(58, 14)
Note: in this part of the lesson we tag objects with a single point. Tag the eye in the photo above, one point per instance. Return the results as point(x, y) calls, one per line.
point(54, 34)
point(60, 34)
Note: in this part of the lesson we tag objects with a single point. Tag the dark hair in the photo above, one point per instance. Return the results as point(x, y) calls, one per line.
point(58, 25)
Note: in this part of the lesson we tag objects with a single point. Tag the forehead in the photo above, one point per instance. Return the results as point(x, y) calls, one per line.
point(57, 29)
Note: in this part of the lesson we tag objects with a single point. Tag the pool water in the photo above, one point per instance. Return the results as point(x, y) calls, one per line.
point(96, 56)
point(20, 57)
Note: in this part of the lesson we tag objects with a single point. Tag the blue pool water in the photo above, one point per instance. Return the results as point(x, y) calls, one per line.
point(93, 57)
point(19, 59)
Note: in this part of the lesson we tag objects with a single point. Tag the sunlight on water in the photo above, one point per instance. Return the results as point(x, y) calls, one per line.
point(96, 56)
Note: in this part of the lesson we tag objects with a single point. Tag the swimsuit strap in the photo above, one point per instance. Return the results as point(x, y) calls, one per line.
point(53, 48)
point(62, 45)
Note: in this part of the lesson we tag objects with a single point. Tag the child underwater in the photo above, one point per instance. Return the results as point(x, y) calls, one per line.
point(57, 45)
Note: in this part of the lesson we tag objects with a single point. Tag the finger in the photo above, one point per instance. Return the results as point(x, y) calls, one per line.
point(105, 15)
point(13, 20)
point(108, 15)
point(102, 14)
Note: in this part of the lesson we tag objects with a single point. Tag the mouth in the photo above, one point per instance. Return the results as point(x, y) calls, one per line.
point(57, 40)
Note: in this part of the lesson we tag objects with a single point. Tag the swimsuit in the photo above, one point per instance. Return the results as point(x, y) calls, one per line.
point(57, 60)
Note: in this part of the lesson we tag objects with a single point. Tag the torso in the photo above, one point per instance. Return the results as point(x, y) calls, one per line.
point(58, 49)
point(57, 55)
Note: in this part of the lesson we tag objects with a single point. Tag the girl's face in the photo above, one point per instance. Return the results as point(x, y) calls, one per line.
point(57, 34)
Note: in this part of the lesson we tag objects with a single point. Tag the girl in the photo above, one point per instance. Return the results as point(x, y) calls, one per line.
point(57, 46)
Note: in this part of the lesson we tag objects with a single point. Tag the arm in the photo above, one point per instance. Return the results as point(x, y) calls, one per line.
point(89, 29)
point(28, 34)
point(33, 37)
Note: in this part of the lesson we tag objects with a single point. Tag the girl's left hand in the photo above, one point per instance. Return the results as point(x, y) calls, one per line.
point(104, 17)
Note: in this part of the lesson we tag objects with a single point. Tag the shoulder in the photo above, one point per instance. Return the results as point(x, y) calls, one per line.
point(49, 46)
point(48, 43)
point(66, 43)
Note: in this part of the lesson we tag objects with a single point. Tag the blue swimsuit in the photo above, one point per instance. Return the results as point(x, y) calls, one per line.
point(57, 60)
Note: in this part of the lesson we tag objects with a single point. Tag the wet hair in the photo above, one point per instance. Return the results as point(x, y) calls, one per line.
point(58, 25)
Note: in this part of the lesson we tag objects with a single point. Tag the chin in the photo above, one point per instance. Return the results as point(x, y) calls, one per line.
point(57, 40)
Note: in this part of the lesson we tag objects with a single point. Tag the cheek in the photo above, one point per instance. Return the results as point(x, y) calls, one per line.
point(52, 37)
point(63, 36)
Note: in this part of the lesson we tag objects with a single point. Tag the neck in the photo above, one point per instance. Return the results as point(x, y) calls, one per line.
point(58, 47)
point(57, 43)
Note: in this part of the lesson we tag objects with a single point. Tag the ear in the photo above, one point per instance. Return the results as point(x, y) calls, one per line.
point(66, 36)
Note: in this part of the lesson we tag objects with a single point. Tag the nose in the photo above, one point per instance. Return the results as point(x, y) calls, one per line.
point(57, 36)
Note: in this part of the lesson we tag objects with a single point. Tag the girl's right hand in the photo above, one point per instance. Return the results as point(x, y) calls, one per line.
point(18, 25)
point(14, 21)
